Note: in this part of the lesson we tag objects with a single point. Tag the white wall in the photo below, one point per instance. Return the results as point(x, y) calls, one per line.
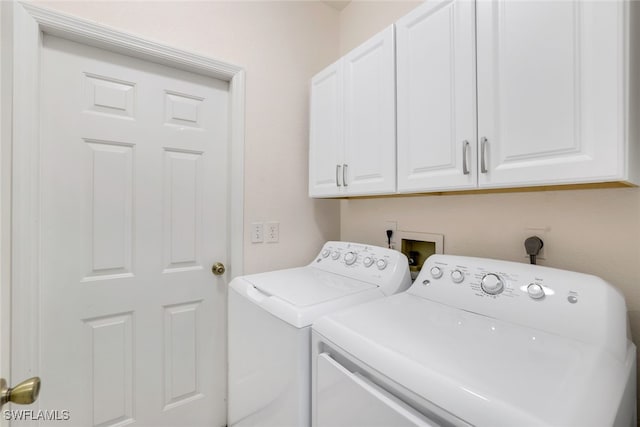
point(362, 19)
point(594, 231)
point(281, 45)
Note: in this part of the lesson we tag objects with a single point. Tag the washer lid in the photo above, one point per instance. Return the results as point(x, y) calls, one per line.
point(483, 370)
point(306, 286)
point(299, 296)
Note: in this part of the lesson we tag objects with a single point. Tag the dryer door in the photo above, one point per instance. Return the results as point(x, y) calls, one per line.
point(345, 398)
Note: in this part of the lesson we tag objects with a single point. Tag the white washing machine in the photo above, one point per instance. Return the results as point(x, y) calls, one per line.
point(479, 342)
point(270, 318)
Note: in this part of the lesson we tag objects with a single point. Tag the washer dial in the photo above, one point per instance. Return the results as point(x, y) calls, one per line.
point(335, 255)
point(436, 272)
point(535, 291)
point(368, 261)
point(492, 284)
point(381, 264)
point(457, 276)
point(350, 258)
point(326, 253)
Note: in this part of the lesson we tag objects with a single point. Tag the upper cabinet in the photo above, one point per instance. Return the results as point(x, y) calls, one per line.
point(553, 92)
point(490, 94)
point(552, 95)
point(352, 147)
point(436, 65)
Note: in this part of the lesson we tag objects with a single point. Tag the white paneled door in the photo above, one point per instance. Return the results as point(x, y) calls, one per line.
point(133, 209)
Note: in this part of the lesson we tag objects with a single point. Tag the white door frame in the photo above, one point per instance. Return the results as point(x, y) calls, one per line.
point(21, 72)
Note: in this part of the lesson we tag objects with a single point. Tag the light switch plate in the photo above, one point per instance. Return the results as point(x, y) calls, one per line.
point(257, 232)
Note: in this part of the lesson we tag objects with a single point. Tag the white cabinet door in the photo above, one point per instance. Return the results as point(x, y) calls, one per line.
point(551, 101)
point(326, 132)
point(352, 144)
point(370, 134)
point(437, 97)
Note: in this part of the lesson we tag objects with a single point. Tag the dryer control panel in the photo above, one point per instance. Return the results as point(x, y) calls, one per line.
point(386, 268)
point(561, 302)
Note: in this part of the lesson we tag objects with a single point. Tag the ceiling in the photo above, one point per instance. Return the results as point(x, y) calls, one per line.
point(337, 4)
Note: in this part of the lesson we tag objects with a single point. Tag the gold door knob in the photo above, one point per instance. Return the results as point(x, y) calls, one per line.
point(218, 269)
point(24, 393)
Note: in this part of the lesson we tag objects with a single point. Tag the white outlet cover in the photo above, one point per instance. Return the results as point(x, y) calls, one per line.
point(272, 232)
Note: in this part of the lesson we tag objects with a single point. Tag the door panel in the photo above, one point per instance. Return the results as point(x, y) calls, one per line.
point(549, 101)
point(370, 131)
point(436, 97)
point(133, 214)
point(326, 132)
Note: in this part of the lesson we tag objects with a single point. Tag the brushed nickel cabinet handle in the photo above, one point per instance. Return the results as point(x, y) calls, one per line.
point(344, 174)
point(483, 152)
point(338, 175)
point(465, 148)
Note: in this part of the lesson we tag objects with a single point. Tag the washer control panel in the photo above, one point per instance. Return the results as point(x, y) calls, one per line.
point(506, 280)
point(385, 267)
point(558, 301)
point(354, 254)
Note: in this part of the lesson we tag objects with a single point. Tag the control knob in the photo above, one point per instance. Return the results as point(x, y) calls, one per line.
point(535, 291)
point(436, 272)
point(335, 255)
point(368, 261)
point(457, 276)
point(381, 264)
point(492, 284)
point(326, 253)
point(350, 258)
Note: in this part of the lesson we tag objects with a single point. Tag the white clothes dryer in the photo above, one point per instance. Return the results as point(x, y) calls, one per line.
point(479, 342)
point(270, 317)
